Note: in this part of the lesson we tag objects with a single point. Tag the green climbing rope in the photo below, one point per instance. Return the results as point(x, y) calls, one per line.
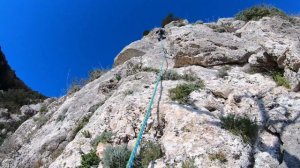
point(144, 123)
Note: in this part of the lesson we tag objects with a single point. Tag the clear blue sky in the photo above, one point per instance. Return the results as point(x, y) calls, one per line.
point(45, 40)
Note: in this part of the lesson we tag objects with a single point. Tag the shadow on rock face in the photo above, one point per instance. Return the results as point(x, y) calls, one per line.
point(290, 160)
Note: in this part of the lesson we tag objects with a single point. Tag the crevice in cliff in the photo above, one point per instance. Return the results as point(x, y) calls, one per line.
point(275, 133)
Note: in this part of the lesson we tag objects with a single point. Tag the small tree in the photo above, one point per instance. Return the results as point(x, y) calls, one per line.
point(258, 12)
point(150, 151)
point(168, 19)
point(90, 159)
point(146, 32)
point(117, 157)
point(241, 126)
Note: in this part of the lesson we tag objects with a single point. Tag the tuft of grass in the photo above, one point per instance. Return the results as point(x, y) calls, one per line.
point(86, 133)
point(105, 137)
point(241, 126)
point(44, 109)
point(258, 12)
point(95, 74)
point(254, 70)
point(278, 77)
point(223, 72)
point(95, 107)
point(117, 157)
point(75, 86)
point(189, 163)
point(150, 151)
point(62, 116)
point(128, 92)
point(150, 69)
point(181, 92)
point(41, 119)
point(133, 68)
point(189, 77)
point(220, 156)
point(173, 75)
point(118, 77)
point(89, 160)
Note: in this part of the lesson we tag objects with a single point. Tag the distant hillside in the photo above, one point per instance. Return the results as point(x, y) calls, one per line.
point(9, 80)
point(14, 92)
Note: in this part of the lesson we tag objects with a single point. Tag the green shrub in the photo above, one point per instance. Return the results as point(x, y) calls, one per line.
point(274, 72)
point(190, 77)
point(168, 19)
point(86, 134)
point(278, 77)
point(218, 156)
point(133, 68)
point(190, 163)
point(44, 109)
point(258, 12)
point(146, 32)
point(173, 75)
point(181, 92)
point(118, 77)
point(254, 70)
point(149, 152)
point(241, 126)
point(117, 157)
point(105, 137)
point(90, 159)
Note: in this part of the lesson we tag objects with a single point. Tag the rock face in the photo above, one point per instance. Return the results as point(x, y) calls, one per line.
point(117, 101)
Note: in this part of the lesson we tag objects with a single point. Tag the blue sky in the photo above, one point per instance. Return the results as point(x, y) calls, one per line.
point(46, 40)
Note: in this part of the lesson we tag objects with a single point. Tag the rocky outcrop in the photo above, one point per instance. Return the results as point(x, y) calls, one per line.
point(117, 101)
point(268, 43)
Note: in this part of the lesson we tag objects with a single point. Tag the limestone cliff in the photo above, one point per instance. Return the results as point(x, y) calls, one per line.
point(241, 66)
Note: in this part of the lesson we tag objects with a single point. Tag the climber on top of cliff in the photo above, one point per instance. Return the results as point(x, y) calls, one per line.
point(161, 34)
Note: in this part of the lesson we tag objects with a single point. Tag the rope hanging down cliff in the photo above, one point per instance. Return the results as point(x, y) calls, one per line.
point(144, 123)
